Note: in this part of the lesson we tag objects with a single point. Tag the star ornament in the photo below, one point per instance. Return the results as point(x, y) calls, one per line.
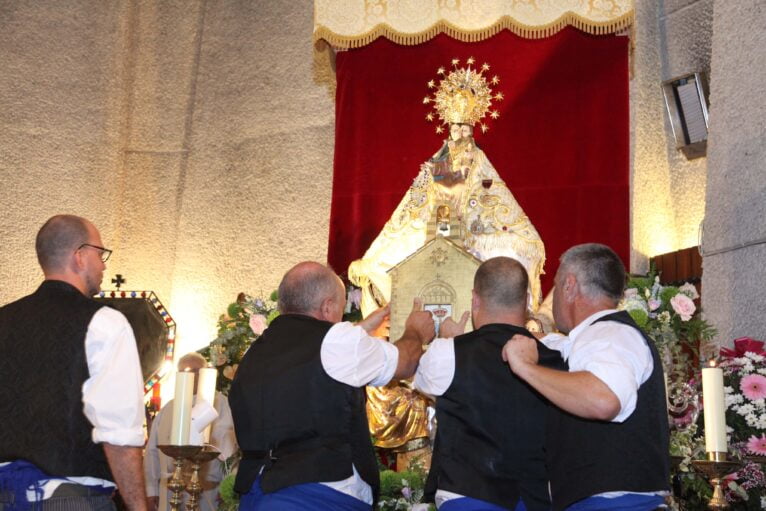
point(484, 128)
point(426, 100)
point(495, 80)
point(455, 62)
point(431, 84)
point(439, 129)
point(429, 117)
point(470, 61)
point(440, 71)
point(485, 67)
point(499, 96)
point(494, 114)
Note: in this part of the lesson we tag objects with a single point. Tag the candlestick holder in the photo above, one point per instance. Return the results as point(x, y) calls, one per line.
point(176, 485)
point(714, 468)
point(194, 488)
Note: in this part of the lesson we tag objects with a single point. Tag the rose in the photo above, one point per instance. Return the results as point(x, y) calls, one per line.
point(683, 305)
point(258, 323)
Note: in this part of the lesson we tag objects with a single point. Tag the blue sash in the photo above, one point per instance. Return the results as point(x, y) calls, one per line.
point(627, 502)
point(18, 476)
point(471, 504)
point(300, 497)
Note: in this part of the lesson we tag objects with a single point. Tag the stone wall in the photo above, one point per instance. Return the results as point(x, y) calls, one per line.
point(197, 135)
point(672, 38)
point(734, 253)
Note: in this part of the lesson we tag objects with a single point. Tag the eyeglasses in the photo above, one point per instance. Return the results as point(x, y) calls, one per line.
point(105, 252)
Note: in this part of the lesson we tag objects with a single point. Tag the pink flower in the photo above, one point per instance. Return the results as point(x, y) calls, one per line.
point(757, 445)
point(684, 306)
point(753, 386)
point(654, 304)
point(258, 323)
point(355, 297)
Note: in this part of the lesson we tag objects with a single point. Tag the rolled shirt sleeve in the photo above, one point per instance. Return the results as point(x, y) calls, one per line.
point(436, 369)
point(618, 356)
point(351, 356)
point(113, 395)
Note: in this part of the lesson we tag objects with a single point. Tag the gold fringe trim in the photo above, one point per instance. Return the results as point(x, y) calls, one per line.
point(504, 23)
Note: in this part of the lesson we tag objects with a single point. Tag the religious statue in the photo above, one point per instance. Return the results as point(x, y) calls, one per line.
point(457, 194)
point(460, 181)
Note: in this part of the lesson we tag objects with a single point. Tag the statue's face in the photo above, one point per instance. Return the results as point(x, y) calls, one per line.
point(455, 132)
point(466, 131)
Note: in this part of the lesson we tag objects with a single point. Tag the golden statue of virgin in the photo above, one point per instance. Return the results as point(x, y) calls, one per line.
point(457, 182)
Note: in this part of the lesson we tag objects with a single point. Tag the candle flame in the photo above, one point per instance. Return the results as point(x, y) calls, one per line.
point(713, 362)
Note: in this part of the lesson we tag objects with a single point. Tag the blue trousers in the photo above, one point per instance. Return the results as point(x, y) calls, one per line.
point(629, 502)
point(301, 497)
point(471, 504)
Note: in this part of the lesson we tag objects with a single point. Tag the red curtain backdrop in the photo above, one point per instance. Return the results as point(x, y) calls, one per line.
point(561, 143)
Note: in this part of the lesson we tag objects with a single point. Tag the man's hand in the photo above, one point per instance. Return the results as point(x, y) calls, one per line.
point(420, 323)
point(375, 319)
point(152, 503)
point(520, 352)
point(449, 328)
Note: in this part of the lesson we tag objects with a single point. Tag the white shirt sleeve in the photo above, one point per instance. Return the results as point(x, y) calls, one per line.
point(112, 397)
point(152, 472)
point(617, 355)
point(351, 356)
point(436, 369)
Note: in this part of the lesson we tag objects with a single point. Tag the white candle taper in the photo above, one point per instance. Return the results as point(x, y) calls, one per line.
point(182, 405)
point(715, 409)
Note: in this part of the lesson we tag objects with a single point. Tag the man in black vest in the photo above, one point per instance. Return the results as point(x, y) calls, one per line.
point(607, 444)
point(488, 453)
point(71, 391)
point(298, 398)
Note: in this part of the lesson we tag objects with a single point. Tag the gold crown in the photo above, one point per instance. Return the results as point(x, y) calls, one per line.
point(464, 96)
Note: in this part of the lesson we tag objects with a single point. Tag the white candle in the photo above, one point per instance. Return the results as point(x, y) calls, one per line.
point(182, 405)
point(715, 409)
point(206, 391)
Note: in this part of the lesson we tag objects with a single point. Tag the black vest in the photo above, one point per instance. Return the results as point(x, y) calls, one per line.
point(42, 369)
point(292, 418)
point(491, 425)
point(588, 457)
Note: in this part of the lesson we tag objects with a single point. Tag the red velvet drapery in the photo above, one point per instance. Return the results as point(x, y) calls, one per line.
point(561, 143)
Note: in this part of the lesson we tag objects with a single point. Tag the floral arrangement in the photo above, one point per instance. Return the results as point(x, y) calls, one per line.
point(244, 321)
point(402, 491)
point(670, 317)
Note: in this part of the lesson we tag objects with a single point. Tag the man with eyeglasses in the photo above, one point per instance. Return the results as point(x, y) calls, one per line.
point(71, 396)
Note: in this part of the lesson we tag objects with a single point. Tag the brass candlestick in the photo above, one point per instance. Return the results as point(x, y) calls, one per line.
point(176, 485)
point(714, 468)
point(194, 489)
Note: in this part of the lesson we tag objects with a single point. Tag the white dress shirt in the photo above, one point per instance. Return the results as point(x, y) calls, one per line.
point(351, 356)
point(613, 352)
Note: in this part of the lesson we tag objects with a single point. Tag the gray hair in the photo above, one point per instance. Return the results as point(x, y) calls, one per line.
point(305, 286)
point(58, 238)
point(501, 282)
point(599, 270)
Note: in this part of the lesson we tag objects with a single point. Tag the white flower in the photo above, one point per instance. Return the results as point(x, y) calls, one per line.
point(744, 409)
point(763, 502)
point(751, 420)
point(733, 400)
point(689, 290)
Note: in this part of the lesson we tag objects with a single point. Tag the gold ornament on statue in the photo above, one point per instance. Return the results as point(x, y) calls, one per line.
point(464, 95)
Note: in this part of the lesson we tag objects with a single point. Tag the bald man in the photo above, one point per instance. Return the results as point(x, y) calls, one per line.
point(488, 454)
point(158, 467)
point(298, 398)
point(71, 390)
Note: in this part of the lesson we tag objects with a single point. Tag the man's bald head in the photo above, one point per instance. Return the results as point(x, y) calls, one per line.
point(192, 361)
point(501, 284)
point(306, 286)
point(58, 238)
